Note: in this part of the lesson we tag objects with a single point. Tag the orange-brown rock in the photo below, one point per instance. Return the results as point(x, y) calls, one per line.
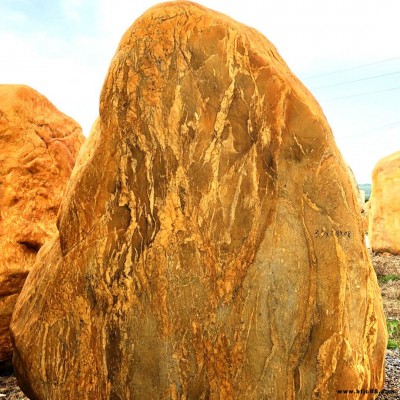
point(38, 145)
point(384, 213)
point(210, 241)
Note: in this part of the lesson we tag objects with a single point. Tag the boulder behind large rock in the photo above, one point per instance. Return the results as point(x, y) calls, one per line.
point(203, 251)
point(38, 146)
point(384, 219)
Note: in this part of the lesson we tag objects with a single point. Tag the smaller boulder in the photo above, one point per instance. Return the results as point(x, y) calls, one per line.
point(384, 215)
point(38, 147)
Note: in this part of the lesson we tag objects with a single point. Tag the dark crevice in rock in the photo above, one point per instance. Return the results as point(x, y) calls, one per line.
point(31, 246)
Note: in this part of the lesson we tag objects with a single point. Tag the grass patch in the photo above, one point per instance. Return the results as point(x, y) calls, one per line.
point(387, 278)
point(393, 327)
point(392, 344)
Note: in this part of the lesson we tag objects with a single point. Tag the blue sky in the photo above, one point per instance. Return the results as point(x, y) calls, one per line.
point(346, 53)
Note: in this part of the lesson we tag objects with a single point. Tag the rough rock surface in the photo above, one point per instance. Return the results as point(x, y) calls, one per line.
point(384, 213)
point(203, 246)
point(38, 146)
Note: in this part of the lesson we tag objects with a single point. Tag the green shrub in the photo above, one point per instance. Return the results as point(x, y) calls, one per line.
point(393, 327)
point(388, 278)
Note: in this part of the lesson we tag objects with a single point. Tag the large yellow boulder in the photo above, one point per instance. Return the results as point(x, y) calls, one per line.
point(210, 241)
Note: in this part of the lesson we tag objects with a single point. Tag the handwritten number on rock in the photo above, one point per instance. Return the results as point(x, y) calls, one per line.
point(322, 233)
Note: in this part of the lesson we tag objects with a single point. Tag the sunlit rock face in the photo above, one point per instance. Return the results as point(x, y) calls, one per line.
point(38, 146)
point(210, 241)
point(384, 220)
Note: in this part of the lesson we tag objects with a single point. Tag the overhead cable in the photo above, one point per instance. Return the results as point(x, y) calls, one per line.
point(362, 94)
point(357, 80)
point(352, 68)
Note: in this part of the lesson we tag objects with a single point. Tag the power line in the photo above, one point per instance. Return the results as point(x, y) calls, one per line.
point(351, 68)
point(393, 124)
point(362, 94)
point(357, 80)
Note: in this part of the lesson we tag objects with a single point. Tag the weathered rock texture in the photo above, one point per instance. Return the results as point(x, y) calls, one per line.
point(384, 213)
point(203, 251)
point(38, 146)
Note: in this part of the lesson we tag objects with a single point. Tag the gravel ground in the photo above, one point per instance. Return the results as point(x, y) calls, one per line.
point(9, 389)
point(384, 264)
point(391, 390)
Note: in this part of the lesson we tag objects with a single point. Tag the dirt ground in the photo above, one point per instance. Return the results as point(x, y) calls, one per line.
point(388, 266)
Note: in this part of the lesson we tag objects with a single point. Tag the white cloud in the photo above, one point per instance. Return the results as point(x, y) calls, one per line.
point(72, 9)
point(14, 17)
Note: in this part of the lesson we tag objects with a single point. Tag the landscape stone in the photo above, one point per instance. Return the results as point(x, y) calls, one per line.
point(384, 210)
point(210, 240)
point(38, 146)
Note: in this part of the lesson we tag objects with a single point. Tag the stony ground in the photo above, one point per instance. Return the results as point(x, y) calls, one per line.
point(9, 389)
point(387, 268)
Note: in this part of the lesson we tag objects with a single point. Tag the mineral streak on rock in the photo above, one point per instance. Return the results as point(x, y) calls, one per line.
point(38, 146)
point(210, 241)
point(384, 219)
